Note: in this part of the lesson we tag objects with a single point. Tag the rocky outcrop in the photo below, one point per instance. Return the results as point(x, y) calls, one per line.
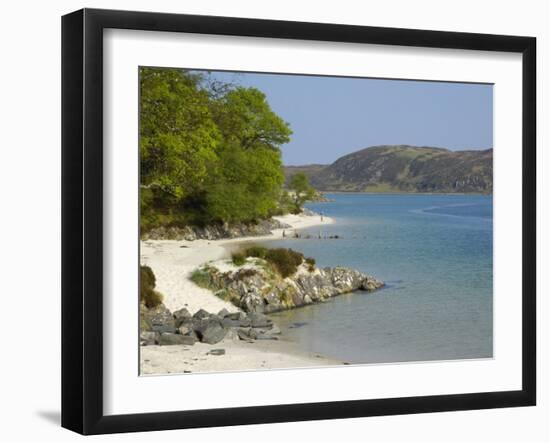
point(161, 327)
point(215, 232)
point(256, 288)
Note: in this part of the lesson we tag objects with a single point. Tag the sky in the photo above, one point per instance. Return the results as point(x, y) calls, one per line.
point(334, 116)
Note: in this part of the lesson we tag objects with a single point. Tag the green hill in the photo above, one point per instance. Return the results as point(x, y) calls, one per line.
point(403, 169)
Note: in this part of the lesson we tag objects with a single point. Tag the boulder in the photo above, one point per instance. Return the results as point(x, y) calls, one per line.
point(247, 334)
point(228, 323)
point(168, 339)
point(166, 328)
point(210, 331)
point(148, 338)
point(201, 314)
point(223, 313)
point(158, 319)
point(182, 314)
point(186, 329)
point(236, 316)
point(259, 320)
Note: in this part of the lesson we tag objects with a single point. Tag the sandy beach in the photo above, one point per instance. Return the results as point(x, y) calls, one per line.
point(173, 261)
point(237, 356)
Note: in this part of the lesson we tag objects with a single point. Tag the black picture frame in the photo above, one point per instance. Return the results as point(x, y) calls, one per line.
point(82, 219)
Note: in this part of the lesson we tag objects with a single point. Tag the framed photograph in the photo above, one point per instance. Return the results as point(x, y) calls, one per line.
point(269, 221)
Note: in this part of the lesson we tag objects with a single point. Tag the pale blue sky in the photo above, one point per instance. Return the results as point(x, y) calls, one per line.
point(334, 116)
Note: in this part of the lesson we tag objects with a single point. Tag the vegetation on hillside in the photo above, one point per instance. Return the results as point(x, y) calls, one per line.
point(209, 151)
point(403, 169)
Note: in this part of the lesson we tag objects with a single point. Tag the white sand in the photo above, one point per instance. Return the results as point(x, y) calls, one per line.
point(238, 356)
point(172, 261)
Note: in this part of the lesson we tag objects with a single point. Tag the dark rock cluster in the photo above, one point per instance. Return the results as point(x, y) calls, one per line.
point(159, 326)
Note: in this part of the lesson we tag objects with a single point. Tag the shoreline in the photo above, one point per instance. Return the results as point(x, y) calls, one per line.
point(173, 261)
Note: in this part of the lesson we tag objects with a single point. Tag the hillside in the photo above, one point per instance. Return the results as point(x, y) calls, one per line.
point(403, 169)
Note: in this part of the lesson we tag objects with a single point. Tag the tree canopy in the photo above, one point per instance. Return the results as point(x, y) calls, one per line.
point(209, 151)
point(303, 191)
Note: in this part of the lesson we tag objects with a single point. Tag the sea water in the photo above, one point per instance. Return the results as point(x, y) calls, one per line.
point(435, 254)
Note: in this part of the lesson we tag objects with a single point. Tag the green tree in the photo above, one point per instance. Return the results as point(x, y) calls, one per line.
point(178, 137)
point(245, 118)
point(247, 183)
point(303, 191)
point(209, 151)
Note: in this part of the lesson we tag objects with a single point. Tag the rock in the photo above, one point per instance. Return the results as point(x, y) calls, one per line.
point(223, 313)
point(259, 320)
point(168, 339)
point(228, 323)
point(216, 352)
point(371, 284)
point(201, 314)
point(161, 329)
point(236, 316)
point(262, 290)
point(215, 231)
point(148, 338)
point(252, 302)
point(247, 334)
point(186, 329)
point(182, 314)
point(210, 331)
point(158, 319)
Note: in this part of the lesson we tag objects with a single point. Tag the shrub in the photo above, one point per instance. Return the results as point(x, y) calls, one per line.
point(286, 261)
point(147, 293)
point(202, 278)
point(256, 251)
point(238, 258)
point(310, 261)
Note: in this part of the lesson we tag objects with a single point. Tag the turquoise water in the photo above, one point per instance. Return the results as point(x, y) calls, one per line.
point(435, 254)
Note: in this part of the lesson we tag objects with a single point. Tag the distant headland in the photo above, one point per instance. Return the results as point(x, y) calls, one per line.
point(403, 168)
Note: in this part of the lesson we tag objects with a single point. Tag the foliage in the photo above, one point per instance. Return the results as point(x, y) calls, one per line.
point(238, 258)
point(303, 191)
point(147, 293)
point(209, 151)
point(202, 278)
point(256, 251)
point(286, 261)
